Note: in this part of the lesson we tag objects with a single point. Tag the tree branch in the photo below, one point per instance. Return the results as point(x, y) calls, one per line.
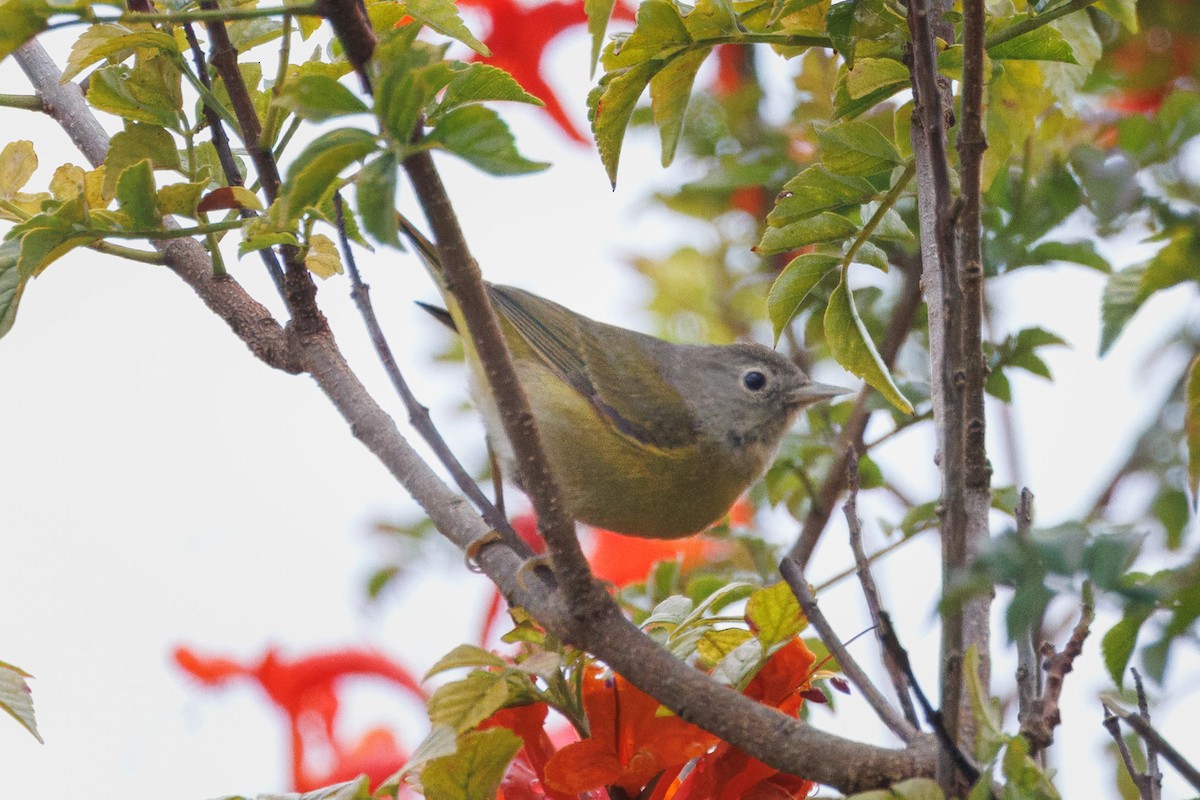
point(879, 704)
point(1040, 728)
point(871, 593)
point(1142, 727)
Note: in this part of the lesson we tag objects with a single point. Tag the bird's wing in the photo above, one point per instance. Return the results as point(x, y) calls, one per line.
point(607, 365)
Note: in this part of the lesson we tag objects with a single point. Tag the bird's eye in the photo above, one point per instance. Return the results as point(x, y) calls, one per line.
point(754, 380)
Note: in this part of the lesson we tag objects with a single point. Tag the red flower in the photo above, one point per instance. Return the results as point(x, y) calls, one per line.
point(305, 690)
point(629, 742)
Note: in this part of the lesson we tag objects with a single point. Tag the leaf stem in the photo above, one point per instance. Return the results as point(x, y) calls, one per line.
point(161, 234)
point(28, 102)
point(199, 15)
point(888, 201)
point(1034, 22)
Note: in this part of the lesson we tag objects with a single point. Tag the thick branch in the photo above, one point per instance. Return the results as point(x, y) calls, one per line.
point(954, 306)
point(249, 320)
point(465, 282)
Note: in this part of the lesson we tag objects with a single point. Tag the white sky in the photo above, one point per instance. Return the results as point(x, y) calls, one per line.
point(160, 486)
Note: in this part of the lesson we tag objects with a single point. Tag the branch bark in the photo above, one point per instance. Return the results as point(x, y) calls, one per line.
point(953, 283)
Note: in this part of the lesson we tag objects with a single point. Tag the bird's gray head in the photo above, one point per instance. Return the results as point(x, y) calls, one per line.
point(747, 394)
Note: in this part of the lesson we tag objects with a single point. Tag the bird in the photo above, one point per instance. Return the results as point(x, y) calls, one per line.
point(645, 437)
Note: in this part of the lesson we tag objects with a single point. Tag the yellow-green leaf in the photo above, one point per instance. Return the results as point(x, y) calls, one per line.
point(136, 195)
point(17, 164)
point(442, 16)
point(670, 91)
point(465, 655)
point(464, 704)
point(322, 257)
point(824, 227)
point(853, 348)
point(15, 697)
point(857, 148)
point(610, 105)
point(794, 284)
point(475, 769)
point(774, 614)
point(715, 645)
point(12, 284)
point(1192, 426)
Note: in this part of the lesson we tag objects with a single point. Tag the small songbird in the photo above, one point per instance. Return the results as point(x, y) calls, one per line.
point(645, 437)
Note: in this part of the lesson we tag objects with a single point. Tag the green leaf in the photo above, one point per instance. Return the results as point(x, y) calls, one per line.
point(857, 148)
point(475, 770)
point(412, 72)
point(610, 105)
point(659, 34)
point(794, 284)
point(598, 13)
point(872, 256)
point(262, 239)
point(12, 284)
point(1119, 642)
point(136, 195)
point(465, 655)
point(319, 97)
point(871, 75)
point(1083, 253)
point(1191, 426)
point(825, 227)
point(442, 16)
point(853, 348)
point(839, 22)
point(15, 697)
point(18, 162)
point(985, 709)
point(918, 789)
point(816, 189)
point(149, 92)
point(22, 20)
point(321, 258)
point(376, 193)
point(180, 198)
point(1040, 44)
point(113, 42)
point(314, 173)
point(137, 142)
point(464, 704)
point(670, 91)
point(1123, 11)
point(774, 614)
point(478, 135)
point(710, 18)
point(1118, 302)
point(480, 83)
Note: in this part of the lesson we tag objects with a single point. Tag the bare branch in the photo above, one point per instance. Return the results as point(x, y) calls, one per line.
point(871, 593)
point(794, 576)
point(1029, 672)
point(949, 748)
point(1152, 737)
point(418, 414)
point(1153, 770)
point(1112, 724)
point(1040, 728)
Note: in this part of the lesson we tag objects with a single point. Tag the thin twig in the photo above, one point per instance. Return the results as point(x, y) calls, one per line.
point(1142, 727)
point(871, 592)
point(1141, 782)
point(418, 414)
point(949, 747)
point(220, 142)
point(1029, 673)
point(1057, 664)
point(794, 575)
point(1153, 770)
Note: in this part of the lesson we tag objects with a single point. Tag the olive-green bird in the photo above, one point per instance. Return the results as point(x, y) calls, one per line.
point(645, 437)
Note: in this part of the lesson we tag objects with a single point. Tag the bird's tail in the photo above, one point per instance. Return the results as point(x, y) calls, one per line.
point(425, 248)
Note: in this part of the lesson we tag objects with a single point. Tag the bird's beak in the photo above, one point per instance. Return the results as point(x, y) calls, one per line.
point(814, 393)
